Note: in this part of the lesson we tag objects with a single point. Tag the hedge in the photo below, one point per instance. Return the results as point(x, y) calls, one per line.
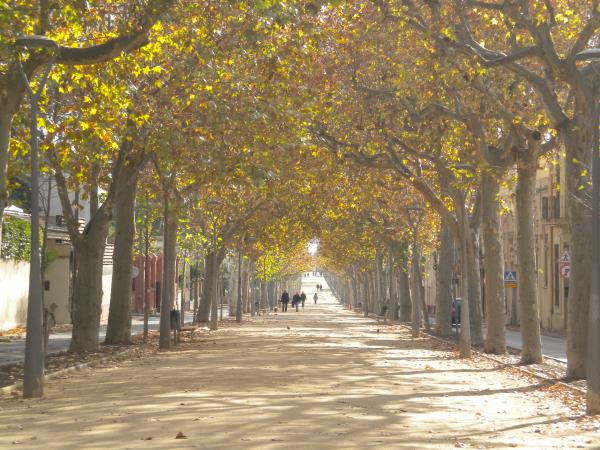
point(16, 239)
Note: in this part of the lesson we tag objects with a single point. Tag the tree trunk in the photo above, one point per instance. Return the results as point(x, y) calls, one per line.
point(271, 295)
point(443, 326)
point(263, 294)
point(207, 289)
point(368, 291)
point(465, 320)
point(5, 128)
point(423, 304)
point(200, 285)
point(146, 277)
point(87, 286)
point(235, 287)
point(355, 289)
point(214, 304)
point(396, 296)
point(474, 280)
point(118, 330)
point(171, 220)
point(578, 191)
point(246, 286)
point(404, 292)
point(393, 301)
point(184, 277)
point(377, 307)
point(12, 91)
point(529, 315)
point(415, 292)
point(495, 340)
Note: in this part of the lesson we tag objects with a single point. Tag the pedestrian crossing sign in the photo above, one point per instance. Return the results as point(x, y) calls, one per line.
point(510, 279)
point(564, 258)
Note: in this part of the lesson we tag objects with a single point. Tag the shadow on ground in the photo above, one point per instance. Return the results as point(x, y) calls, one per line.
point(320, 378)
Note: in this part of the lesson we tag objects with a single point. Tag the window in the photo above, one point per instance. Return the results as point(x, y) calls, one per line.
point(545, 266)
point(556, 199)
point(545, 205)
point(556, 276)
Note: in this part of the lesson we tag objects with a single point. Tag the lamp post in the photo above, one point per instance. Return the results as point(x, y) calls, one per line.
point(415, 214)
point(593, 344)
point(33, 382)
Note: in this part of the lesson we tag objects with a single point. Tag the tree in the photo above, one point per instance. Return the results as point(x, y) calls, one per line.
point(65, 28)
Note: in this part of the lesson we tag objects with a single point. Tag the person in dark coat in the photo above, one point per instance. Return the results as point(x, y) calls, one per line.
point(285, 298)
point(315, 298)
point(296, 301)
point(303, 298)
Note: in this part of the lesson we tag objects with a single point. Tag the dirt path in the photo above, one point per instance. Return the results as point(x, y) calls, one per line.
point(330, 380)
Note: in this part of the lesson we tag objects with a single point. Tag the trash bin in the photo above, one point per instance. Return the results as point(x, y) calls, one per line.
point(175, 319)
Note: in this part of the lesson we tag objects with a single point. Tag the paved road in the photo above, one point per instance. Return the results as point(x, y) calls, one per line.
point(14, 351)
point(552, 346)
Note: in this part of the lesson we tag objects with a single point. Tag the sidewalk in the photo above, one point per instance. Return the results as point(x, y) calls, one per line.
point(13, 352)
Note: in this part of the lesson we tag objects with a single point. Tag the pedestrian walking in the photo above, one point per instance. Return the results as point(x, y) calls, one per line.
point(296, 301)
point(315, 298)
point(303, 298)
point(285, 298)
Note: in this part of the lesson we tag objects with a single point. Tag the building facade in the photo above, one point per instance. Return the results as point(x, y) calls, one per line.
point(552, 247)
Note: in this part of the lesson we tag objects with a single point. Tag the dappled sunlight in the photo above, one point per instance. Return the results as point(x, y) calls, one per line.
point(329, 381)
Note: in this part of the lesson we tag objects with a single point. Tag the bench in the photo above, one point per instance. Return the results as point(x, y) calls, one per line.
point(262, 311)
point(189, 329)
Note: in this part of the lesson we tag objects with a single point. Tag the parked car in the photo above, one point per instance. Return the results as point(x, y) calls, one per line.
point(455, 311)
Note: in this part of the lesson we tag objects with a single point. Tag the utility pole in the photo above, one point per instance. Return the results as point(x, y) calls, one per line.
point(33, 380)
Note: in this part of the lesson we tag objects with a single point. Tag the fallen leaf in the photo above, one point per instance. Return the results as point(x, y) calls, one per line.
point(149, 438)
point(180, 435)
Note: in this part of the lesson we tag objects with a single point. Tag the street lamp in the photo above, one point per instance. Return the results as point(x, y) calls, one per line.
point(415, 215)
point(33, 382)
point(593, 356)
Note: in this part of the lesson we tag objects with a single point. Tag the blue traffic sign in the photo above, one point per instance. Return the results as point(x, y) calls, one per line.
point(510, 276)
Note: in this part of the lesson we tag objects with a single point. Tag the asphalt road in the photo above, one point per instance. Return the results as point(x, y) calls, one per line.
point(14, 351)
point(554, 347)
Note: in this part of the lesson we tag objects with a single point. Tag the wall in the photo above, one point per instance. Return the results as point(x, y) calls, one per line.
point(106, 288)
point(57, 281)
point(14, 291)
